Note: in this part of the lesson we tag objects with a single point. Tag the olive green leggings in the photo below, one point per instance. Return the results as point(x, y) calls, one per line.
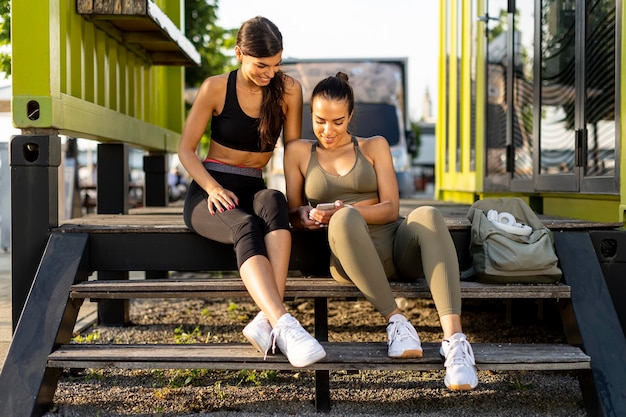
point(418, 246)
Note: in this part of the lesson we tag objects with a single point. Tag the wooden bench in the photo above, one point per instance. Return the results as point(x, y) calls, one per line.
point(156, 241)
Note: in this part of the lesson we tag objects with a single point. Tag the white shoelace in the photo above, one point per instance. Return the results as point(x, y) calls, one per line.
point(401, 328)
point(460, 353)
point(290, 326)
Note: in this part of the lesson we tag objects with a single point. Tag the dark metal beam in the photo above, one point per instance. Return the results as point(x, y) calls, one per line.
point(597, 321)
point(47, 321)
point(34, 208)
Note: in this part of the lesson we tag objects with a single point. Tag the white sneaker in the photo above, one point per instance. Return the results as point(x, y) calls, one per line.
point(402, 337)
point(460, 364)
point(259, 333)
point(300, 348)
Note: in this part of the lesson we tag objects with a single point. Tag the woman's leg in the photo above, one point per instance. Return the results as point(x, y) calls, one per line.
point(271, 207)
point(424, 240)
point(356, 259)
point(248, 231)
point(258, 277)
point(425, 233)
point(257, 221)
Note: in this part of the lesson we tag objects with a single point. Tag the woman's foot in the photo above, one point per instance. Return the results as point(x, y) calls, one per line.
point(259, 333)
point(403, 341)
point(300, 348)
point(459, 363)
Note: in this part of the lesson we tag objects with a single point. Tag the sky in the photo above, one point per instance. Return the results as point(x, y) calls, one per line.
point(354, 29)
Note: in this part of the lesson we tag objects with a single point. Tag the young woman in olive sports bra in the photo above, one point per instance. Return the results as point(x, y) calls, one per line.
point(228, 200)
point(370, 242)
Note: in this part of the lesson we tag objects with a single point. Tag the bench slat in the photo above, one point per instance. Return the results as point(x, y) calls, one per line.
point(170, 219)
point(296, 287)
point(340, 356)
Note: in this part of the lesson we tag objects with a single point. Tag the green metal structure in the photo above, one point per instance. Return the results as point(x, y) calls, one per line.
point(109, 71)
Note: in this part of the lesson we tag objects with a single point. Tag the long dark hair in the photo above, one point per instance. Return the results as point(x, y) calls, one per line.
point(260, 38)
point(335, 88)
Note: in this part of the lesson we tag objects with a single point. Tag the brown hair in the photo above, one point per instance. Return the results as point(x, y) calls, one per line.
point(260, 38)
point(335, 88)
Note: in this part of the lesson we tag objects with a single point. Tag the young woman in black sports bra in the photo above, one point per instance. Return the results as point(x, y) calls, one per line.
point(228, 200)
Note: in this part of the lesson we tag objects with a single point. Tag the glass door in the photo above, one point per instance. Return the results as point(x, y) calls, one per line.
point(578, 131)
point(497, 138)
point(551, 121)
point(510, 95)
point(557, 100)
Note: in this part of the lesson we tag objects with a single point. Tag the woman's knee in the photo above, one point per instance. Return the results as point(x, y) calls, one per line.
point(346, 219)
point(271, 206)
point(426, 215)
point(269, 199)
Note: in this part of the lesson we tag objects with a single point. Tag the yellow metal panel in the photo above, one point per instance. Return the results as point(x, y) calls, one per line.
point(464, 88)
point(441, 128)
point(112, 76)
point(74, 71)
point(481, 108)
point(449, 181)
point(594, 207)
point(32, 71)
point(453, 86)
point(89, 80)
point(100, 67)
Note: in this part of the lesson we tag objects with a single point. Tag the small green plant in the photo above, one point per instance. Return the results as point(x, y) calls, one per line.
point(218, 391)
point(255, 377)
point(93, 375)
point(519, 385)
point(182, 337)
point(162, 393)
point(187, 377)
point(89, 338)
point(233, 312)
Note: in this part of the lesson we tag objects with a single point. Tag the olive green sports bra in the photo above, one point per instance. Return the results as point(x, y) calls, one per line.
point(360, 183)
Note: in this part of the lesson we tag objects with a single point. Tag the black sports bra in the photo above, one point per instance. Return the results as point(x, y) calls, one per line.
point(232, 127)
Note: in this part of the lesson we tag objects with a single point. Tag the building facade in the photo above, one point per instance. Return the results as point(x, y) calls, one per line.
point(529, 105)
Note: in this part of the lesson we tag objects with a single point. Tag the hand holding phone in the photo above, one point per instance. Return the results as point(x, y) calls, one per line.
point(325, 206)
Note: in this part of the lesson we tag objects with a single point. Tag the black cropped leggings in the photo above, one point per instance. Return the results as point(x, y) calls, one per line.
point(260, 211)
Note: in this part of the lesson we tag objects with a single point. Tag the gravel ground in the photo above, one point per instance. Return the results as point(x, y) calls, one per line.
point(200, 393)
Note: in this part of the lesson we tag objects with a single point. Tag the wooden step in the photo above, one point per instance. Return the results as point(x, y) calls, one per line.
point(217, 288)
point(340, 356)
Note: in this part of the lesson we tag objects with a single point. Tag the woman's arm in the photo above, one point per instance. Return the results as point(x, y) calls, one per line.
point(292, 128)
point(376, 150)
point(211, 93)
point(297, 156)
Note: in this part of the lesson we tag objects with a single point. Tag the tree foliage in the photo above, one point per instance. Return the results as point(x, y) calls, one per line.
point(5, 35)
point(211, 41)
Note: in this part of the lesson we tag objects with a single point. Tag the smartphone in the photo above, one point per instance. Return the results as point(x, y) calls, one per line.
point(325, 206)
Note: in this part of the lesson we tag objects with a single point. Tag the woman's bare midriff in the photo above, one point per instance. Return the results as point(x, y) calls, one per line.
point(238, 158)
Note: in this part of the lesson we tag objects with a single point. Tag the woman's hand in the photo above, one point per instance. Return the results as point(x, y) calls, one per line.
point(321, 218)
point(220, 199)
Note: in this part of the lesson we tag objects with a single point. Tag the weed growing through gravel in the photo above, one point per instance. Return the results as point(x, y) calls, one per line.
point(519, 385)
point(256, 377)
point(88, 338)
point(182, 337)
